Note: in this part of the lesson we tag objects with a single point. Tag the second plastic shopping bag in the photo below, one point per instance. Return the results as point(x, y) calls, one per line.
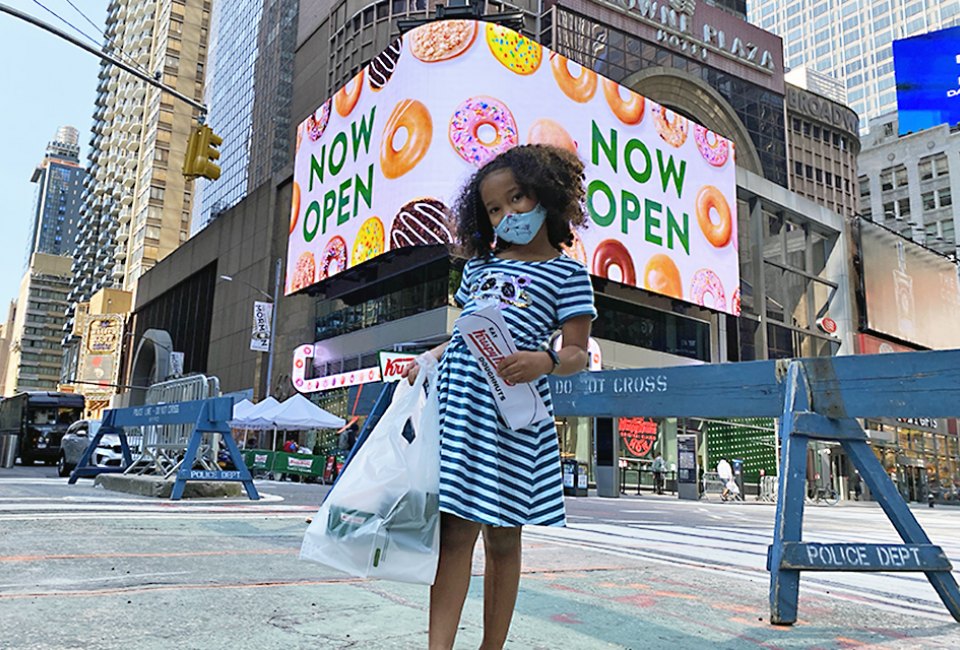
point(382, 518)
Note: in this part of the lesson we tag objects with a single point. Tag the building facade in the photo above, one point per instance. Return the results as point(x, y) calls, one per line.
point(908, 183)
point(248, 91)
point(136, 203)
point(34, 358)
point(59, 178)
point(851, 41)
point(824, 141)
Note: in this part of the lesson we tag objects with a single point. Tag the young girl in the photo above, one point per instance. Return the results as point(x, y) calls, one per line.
point(514, 215)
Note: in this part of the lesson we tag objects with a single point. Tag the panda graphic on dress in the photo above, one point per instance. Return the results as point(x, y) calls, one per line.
point(503, 289)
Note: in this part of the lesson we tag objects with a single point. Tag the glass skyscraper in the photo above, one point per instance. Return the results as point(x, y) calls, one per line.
point(59, 179)
point(850, 40)
point(249, 90)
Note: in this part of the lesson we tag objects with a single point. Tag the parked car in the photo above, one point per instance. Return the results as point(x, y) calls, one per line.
point(76, 440)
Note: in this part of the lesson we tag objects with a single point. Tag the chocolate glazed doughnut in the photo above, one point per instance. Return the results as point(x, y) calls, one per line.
point(382, 66)
point(421, 222)
point(612, 253)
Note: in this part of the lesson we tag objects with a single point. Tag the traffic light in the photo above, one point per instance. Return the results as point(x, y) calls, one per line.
point(202, 153)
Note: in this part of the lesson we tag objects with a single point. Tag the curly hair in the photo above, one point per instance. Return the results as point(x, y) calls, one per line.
point(553, 175)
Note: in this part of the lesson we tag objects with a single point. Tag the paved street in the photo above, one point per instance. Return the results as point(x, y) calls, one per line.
point(82, 567)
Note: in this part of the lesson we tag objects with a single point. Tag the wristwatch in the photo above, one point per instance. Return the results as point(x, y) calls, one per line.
point(553, 357)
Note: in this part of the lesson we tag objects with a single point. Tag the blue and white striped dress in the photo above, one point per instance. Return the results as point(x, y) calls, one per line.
point(490, 473)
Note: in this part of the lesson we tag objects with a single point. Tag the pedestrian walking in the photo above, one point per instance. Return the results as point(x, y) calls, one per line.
point(658, 468)
point(857, 485)
point(514, 217)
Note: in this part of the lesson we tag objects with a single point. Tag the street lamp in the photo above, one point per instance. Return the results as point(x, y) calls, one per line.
point(273, 318)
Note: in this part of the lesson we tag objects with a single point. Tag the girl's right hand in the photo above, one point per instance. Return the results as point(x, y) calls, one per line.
point(411, 372)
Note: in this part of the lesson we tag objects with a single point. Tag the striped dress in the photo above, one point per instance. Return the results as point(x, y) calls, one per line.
point(490, 473)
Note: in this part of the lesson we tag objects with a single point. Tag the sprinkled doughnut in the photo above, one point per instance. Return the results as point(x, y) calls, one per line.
point(333, 259)
point(317, 123)
point(304, 272)
point(612, 253)
point(515, 51)
point(294, 206)
point(346, 98)
point(671, 126)
point(382, 66)
point(628, 111)
point(709, 201)
point(714, 148)
point(579, 89)
point(369, 241)
point(476, 146)
point(662, 276)
point(442, 40)
point(707, 291)
point(735, 302)
point(414, 118)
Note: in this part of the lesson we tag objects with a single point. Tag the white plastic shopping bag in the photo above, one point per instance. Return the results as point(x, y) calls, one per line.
point(382, 518)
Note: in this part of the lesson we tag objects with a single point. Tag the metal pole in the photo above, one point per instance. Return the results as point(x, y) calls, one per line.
point(273, 325)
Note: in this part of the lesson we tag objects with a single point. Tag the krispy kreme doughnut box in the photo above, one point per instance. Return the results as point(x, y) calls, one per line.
point(378, 164)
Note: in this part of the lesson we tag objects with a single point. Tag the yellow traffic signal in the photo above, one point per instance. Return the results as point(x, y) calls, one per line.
point(201, 154)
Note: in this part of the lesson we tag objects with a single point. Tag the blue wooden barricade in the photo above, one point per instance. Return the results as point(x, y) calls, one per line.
point(815, 399)
point(207, 416)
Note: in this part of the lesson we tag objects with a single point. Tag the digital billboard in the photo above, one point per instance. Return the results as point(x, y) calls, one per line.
point(910, 292)
point(927, 69)
point(379, 164)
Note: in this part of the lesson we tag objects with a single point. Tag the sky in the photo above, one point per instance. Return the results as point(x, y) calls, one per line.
point(48, 83)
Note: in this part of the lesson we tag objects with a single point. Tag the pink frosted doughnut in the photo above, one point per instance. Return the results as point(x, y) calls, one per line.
point(713, 148)
point(317, 123)
point(334, 258)
point(735, 302)
point(475, 146)
point(707, 283)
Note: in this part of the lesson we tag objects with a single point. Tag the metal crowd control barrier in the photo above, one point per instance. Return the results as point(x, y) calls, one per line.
point(163, 444)
point(815, 399)
point(202, 416)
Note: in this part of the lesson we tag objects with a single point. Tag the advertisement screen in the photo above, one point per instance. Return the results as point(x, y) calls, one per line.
point(99, 356)
point(927, 68)
point(911, 293)
point(380, 163)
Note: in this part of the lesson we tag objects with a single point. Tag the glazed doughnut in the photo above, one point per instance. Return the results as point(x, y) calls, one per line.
point(294, 206)
point(735, 302)
point(369, 241)
point(344, 100)
point(382, 66)
point(333, 259)
point(710, 200)
point(714, 148)
point(579, 89)
point(628, 111)
point(514, 50)
point(422, 222)
point(671, 126)
point(300, 129)
point(476, 146)
point(612, 253)
point(707, 283)
point(414, 118)
point(304, 272)
point(443, 39)
point(546, 131)
point(576, 250)
point(316, 124)
point(662, 276)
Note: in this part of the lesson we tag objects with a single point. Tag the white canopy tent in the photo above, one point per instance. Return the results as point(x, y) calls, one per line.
point(295, 413)
point(241, 408)
point(254, 417)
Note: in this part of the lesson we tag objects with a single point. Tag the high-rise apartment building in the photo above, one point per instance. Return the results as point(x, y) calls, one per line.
point(851, 41)
point(33, 362)
point(249, 89)
point(58, 178)
point(136, 203)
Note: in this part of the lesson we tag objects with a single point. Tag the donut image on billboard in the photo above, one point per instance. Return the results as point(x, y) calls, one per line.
point(379, 164)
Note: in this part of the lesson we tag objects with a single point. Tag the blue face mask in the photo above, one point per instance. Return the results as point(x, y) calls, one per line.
point(521, 227)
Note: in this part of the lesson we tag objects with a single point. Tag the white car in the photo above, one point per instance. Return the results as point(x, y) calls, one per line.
point(76, 440)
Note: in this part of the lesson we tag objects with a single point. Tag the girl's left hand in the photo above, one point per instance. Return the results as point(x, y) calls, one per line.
point(525, 366)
